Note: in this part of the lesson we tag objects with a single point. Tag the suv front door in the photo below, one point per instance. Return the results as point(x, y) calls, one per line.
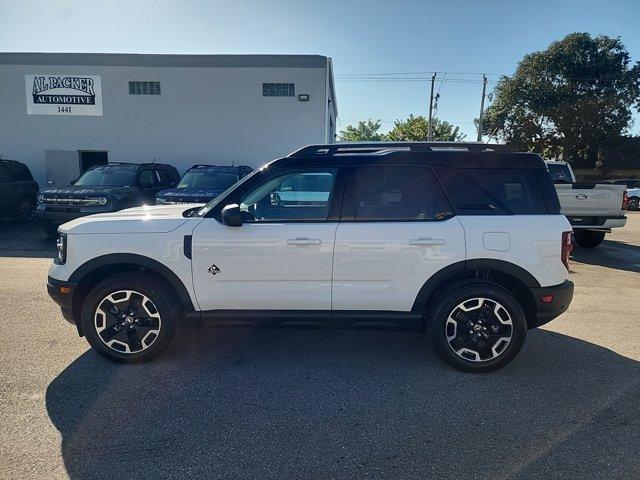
point(397, 230)
point(281, 258)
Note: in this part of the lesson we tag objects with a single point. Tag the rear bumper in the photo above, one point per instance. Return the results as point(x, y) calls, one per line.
point(561, 299)
point(57, 290)
point(597, 223)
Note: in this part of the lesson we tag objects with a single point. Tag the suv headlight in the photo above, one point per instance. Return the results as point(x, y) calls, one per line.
point(61, 245)
point(160, 201)
point(103, 200)
point(40, 198)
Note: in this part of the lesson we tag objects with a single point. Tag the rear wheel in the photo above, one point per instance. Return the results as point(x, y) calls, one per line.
point(588, 238)
point(478, 327)
point(129, 317)
point(633, 203)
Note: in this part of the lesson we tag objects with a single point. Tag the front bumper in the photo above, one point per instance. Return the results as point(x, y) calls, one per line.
point(62, 293)
point(58, 215)
point(561, 299)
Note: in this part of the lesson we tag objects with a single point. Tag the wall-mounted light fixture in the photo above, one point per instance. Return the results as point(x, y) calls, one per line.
point(303, 97)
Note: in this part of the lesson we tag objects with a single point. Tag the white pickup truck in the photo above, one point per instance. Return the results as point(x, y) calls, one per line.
point(593, 209)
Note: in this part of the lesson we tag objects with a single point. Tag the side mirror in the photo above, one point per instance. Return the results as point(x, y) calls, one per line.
point(231, 215)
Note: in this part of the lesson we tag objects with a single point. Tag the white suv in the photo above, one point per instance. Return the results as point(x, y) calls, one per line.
point(468, 244)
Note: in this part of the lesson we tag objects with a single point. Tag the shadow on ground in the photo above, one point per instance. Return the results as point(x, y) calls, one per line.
point(25, 240)
point(282, 403)
point(610, 254)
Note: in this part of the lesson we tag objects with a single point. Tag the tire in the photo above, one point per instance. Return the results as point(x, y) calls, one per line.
point(634, 203)
point(588, 238)
point(130, 338)
point(488, 341)
point(25, 210)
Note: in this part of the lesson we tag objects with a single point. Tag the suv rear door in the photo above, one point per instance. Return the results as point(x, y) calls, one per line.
point(397, 229)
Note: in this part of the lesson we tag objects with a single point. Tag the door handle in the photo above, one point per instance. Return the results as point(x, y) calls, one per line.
point(426, 241)
point(304, 241)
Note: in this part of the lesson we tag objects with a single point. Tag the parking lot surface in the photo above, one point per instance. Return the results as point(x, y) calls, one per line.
point(316, 403)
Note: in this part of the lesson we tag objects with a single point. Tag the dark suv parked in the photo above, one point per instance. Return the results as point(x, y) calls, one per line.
point(104, 188)
point(18, 191)
point(202, 183)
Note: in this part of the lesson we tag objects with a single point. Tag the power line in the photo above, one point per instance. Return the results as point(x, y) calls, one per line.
point(425, 76)
point(417, 73)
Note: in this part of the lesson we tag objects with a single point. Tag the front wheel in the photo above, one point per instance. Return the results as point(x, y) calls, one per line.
point(25, 210)
point(130, 317)
point(478, 327)
point(633, 203)
point(588, 238)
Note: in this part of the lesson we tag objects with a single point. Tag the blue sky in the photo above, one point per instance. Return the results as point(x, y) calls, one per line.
point(372, 37)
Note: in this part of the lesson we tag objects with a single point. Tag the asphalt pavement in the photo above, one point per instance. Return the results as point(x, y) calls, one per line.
point(300, 403)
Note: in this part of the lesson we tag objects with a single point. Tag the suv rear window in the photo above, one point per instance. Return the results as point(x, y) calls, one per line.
point(479, 191)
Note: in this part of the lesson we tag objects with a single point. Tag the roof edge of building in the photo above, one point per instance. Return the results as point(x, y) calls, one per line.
point(162, 60)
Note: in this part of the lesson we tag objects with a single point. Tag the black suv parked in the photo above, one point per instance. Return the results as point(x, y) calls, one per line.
point(202, 183)
point(18, 191)
point(104, 188)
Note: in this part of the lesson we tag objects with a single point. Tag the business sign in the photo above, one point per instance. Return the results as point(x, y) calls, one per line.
point(64, 94)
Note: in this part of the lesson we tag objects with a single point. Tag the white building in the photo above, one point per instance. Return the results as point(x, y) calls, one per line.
point(63, 112)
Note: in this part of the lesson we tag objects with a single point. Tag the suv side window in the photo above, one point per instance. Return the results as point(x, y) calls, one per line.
point(295, 195)
point(398, 193)
point(479, 191)
point(146, 179)
point(163, 178)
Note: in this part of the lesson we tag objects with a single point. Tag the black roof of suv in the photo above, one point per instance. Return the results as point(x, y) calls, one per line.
point(457, 154)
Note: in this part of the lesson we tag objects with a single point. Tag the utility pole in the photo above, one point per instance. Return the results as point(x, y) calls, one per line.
point(433, 81)
point(484, 90)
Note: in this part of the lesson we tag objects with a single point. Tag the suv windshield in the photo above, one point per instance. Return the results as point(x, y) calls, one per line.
point(560, 173)
point(113, 176)
point(207, 179)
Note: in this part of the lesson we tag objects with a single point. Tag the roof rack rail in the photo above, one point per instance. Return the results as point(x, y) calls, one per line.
point(377, 147)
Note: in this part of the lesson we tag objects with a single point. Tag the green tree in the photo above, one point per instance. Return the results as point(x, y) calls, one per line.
point(573, 100)
point(362, 132)
point(416, 128)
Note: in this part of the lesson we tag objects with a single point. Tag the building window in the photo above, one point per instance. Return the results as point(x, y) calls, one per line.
point(278, 90)
point(144, 88)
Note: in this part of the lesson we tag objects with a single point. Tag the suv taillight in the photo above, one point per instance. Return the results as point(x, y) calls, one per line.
point(625, 200)
point(567, 248)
